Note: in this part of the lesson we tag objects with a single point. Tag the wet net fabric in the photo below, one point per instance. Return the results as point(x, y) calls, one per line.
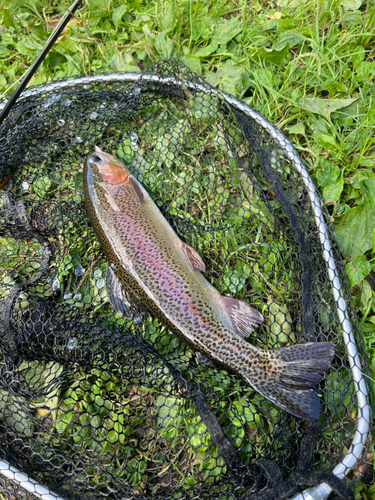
point(95, 406)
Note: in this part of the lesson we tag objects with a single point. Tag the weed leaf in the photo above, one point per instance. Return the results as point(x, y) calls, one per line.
point(354, 233)
point(357, 270)
point(324, 107)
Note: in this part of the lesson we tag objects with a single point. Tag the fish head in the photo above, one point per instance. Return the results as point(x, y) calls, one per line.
point(107, 168)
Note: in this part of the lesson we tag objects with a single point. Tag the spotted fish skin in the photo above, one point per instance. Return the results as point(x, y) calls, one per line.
point(161, 275)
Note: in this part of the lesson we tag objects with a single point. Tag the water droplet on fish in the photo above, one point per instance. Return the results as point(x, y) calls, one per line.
point(55, 285)
point(61, 123)
point(66, 102)
point(137, 92)
point(79, 271)
point(68, 295)
point(77, 297)
point(115, 105)
point(93, 115)
point(51, 99)
point(72, 343)
point(25, 185)
point(103, 105)
point(78, 139)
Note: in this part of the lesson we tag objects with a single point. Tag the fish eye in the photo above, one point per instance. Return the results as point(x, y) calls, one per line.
point(96, 158)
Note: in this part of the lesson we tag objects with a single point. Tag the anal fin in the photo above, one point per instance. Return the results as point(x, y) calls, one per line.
point(122, 299)
point(242, 317)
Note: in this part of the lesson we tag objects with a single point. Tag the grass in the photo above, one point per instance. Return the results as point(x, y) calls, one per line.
point(307, 66)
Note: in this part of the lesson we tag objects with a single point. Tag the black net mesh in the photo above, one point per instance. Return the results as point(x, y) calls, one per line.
point(95, 406)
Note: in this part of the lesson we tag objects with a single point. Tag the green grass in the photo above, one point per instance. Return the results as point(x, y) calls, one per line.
point(308, 66)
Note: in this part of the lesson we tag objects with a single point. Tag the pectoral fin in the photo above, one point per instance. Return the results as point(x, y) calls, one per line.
point(138, 189)
point(122, 299)
point(194, 258)
point(242, 317)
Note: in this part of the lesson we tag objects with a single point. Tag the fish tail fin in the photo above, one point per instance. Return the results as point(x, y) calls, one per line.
point(289, 376)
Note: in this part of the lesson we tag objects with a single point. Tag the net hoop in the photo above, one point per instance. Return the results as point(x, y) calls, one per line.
point(350, 460)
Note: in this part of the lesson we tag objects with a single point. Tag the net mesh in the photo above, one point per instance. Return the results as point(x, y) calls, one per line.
point(93, 405)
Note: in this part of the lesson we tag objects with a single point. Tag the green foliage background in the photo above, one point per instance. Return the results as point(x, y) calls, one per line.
point(308, 66)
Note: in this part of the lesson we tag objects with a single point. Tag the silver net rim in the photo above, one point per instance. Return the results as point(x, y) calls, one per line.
point(350, 460)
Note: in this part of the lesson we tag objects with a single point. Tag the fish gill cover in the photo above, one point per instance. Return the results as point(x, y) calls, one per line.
point(94, 405)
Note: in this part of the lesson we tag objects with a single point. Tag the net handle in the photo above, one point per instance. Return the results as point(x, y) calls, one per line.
point(355, 451)
point(31, 71)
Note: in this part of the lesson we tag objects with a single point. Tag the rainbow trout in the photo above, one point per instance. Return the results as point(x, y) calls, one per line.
point(151, 271)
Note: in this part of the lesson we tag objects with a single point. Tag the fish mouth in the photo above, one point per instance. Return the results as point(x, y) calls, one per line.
point(95, 158)
point(107, 168)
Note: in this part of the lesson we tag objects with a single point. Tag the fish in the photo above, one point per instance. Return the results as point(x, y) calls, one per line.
point(151, 271)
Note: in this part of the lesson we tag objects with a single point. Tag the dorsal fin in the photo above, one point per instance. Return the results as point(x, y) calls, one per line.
point(137, 188)
point(242, 317)
point(194, 258)
point(122, 298)
point(202, 360)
